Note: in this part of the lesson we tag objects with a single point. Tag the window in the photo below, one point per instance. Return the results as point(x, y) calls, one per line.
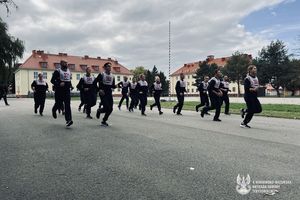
point(233, 89)
point(57, 65)
point(35, 75)
point(77, 76)
point(188, 76)
point(192, 90)
point(95, 67)
point(43, 64)
point(118, 78)
point(44, 75)
point(188, 83)
point(71, 66)
point(188, 90)
point(83, 67)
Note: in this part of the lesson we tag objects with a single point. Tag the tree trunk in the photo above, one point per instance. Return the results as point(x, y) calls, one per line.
point(278, 92)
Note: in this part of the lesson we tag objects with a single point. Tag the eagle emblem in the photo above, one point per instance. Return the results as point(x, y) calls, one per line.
point(243, 184)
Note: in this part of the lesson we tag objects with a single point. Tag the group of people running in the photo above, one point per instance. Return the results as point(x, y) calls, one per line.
point(214, 89)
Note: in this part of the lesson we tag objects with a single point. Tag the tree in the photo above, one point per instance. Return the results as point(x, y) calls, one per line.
point(294, 77)
point(274, 65)
point(7, 4)
point(138, 71)
point(10, 50)
point(236, 68)
point(205, 69)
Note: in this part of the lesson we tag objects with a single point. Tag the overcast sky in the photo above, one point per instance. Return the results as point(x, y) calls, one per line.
point(135, 32)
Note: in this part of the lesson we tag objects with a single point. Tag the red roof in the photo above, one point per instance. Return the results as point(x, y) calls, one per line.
point(49, 62)
point(191, 68)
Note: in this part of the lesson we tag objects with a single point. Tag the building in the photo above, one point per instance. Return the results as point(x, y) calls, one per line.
point(189, 70)
point(46, 63)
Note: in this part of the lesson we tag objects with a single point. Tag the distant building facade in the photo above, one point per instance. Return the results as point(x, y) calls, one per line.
point(46, 63)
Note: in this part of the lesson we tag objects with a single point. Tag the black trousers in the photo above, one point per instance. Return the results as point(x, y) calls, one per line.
point(157, 101)
point(253, 106)
point(63, 99)
point(134, 101)
point(39, 101)
point(81, 99)
point(180, 103)
point(215, 105)
point(90, 100)
point(225, 99)
point(4, 98)
point(203, 100)
point(124, 96)
point(107, 108)
point(143, 102)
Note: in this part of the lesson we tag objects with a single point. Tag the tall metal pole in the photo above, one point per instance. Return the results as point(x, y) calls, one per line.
point(169, 60)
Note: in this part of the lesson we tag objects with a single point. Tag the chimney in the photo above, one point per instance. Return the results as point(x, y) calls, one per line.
point(99, 58)
point(60, 54)
point(108, 58)
point(223, 59)
point(65, 54)
point(86, 57)
point(40, 52)
point(33, 51)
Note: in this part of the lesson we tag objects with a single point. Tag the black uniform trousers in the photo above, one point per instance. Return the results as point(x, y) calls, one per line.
point(253, 106)
point(39, 101)
point(157, 101)
point(63, 99)
point(124, 96)
point(225, 99)
point(216, 103)
point(107, 105)
point(143, 102)
point(180, 103)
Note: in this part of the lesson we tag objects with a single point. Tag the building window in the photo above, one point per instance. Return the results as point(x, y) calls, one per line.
point(95, 67)
point(77, 76)
point(188, 76)
point(71, 66)
point(44, 75)
point(188, 90)
point(233, 89)
point(192, 90)
point(43, 64)
point(83, 67)
point(57, 65)
point(188, 83)
point(118, 78)
point(35, 75)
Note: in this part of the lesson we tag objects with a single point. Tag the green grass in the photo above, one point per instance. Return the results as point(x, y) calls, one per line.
point(269, 110)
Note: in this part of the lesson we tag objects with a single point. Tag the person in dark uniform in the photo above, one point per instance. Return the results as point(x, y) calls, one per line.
point(124, 85)
point(88, 85)
point(62, 109)
point(225, 89)
point(3, 93)
point(81, 92)
point(180, 90)
point(202, 88)
point(157, 89)
point(61, 79)
point(106, 83)
point(215, 95)
point(251, 85)
point(142, 89)
point(39, 88)
point(133, 95)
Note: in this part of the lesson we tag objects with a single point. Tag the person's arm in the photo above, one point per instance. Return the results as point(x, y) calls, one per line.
point(47, 87)
point(177, 87)
point(114, 84)
point(79, 86)
point(55, 80)
point(33, 85)
point(120, 84)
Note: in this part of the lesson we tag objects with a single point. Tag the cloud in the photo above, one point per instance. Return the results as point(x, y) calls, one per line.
point(136, 32)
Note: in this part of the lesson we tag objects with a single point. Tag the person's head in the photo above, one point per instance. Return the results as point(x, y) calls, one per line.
point(206, 79)
point(252, 70)
point(142, 77)
point(63, 64)
point(107, 67)
point(40, 76)
point(218, 73)
point(125, 78)
point(181, 76)
point(88, 71)
point(157, 79)
point(226, 78)
point(134, 80)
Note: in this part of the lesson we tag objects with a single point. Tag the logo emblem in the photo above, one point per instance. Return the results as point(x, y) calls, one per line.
point(243, 184)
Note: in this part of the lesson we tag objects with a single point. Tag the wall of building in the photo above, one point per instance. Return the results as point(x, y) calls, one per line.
point(25, 77)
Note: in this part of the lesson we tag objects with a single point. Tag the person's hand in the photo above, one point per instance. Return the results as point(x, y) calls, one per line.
point(62, 84)
point(101, 92)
